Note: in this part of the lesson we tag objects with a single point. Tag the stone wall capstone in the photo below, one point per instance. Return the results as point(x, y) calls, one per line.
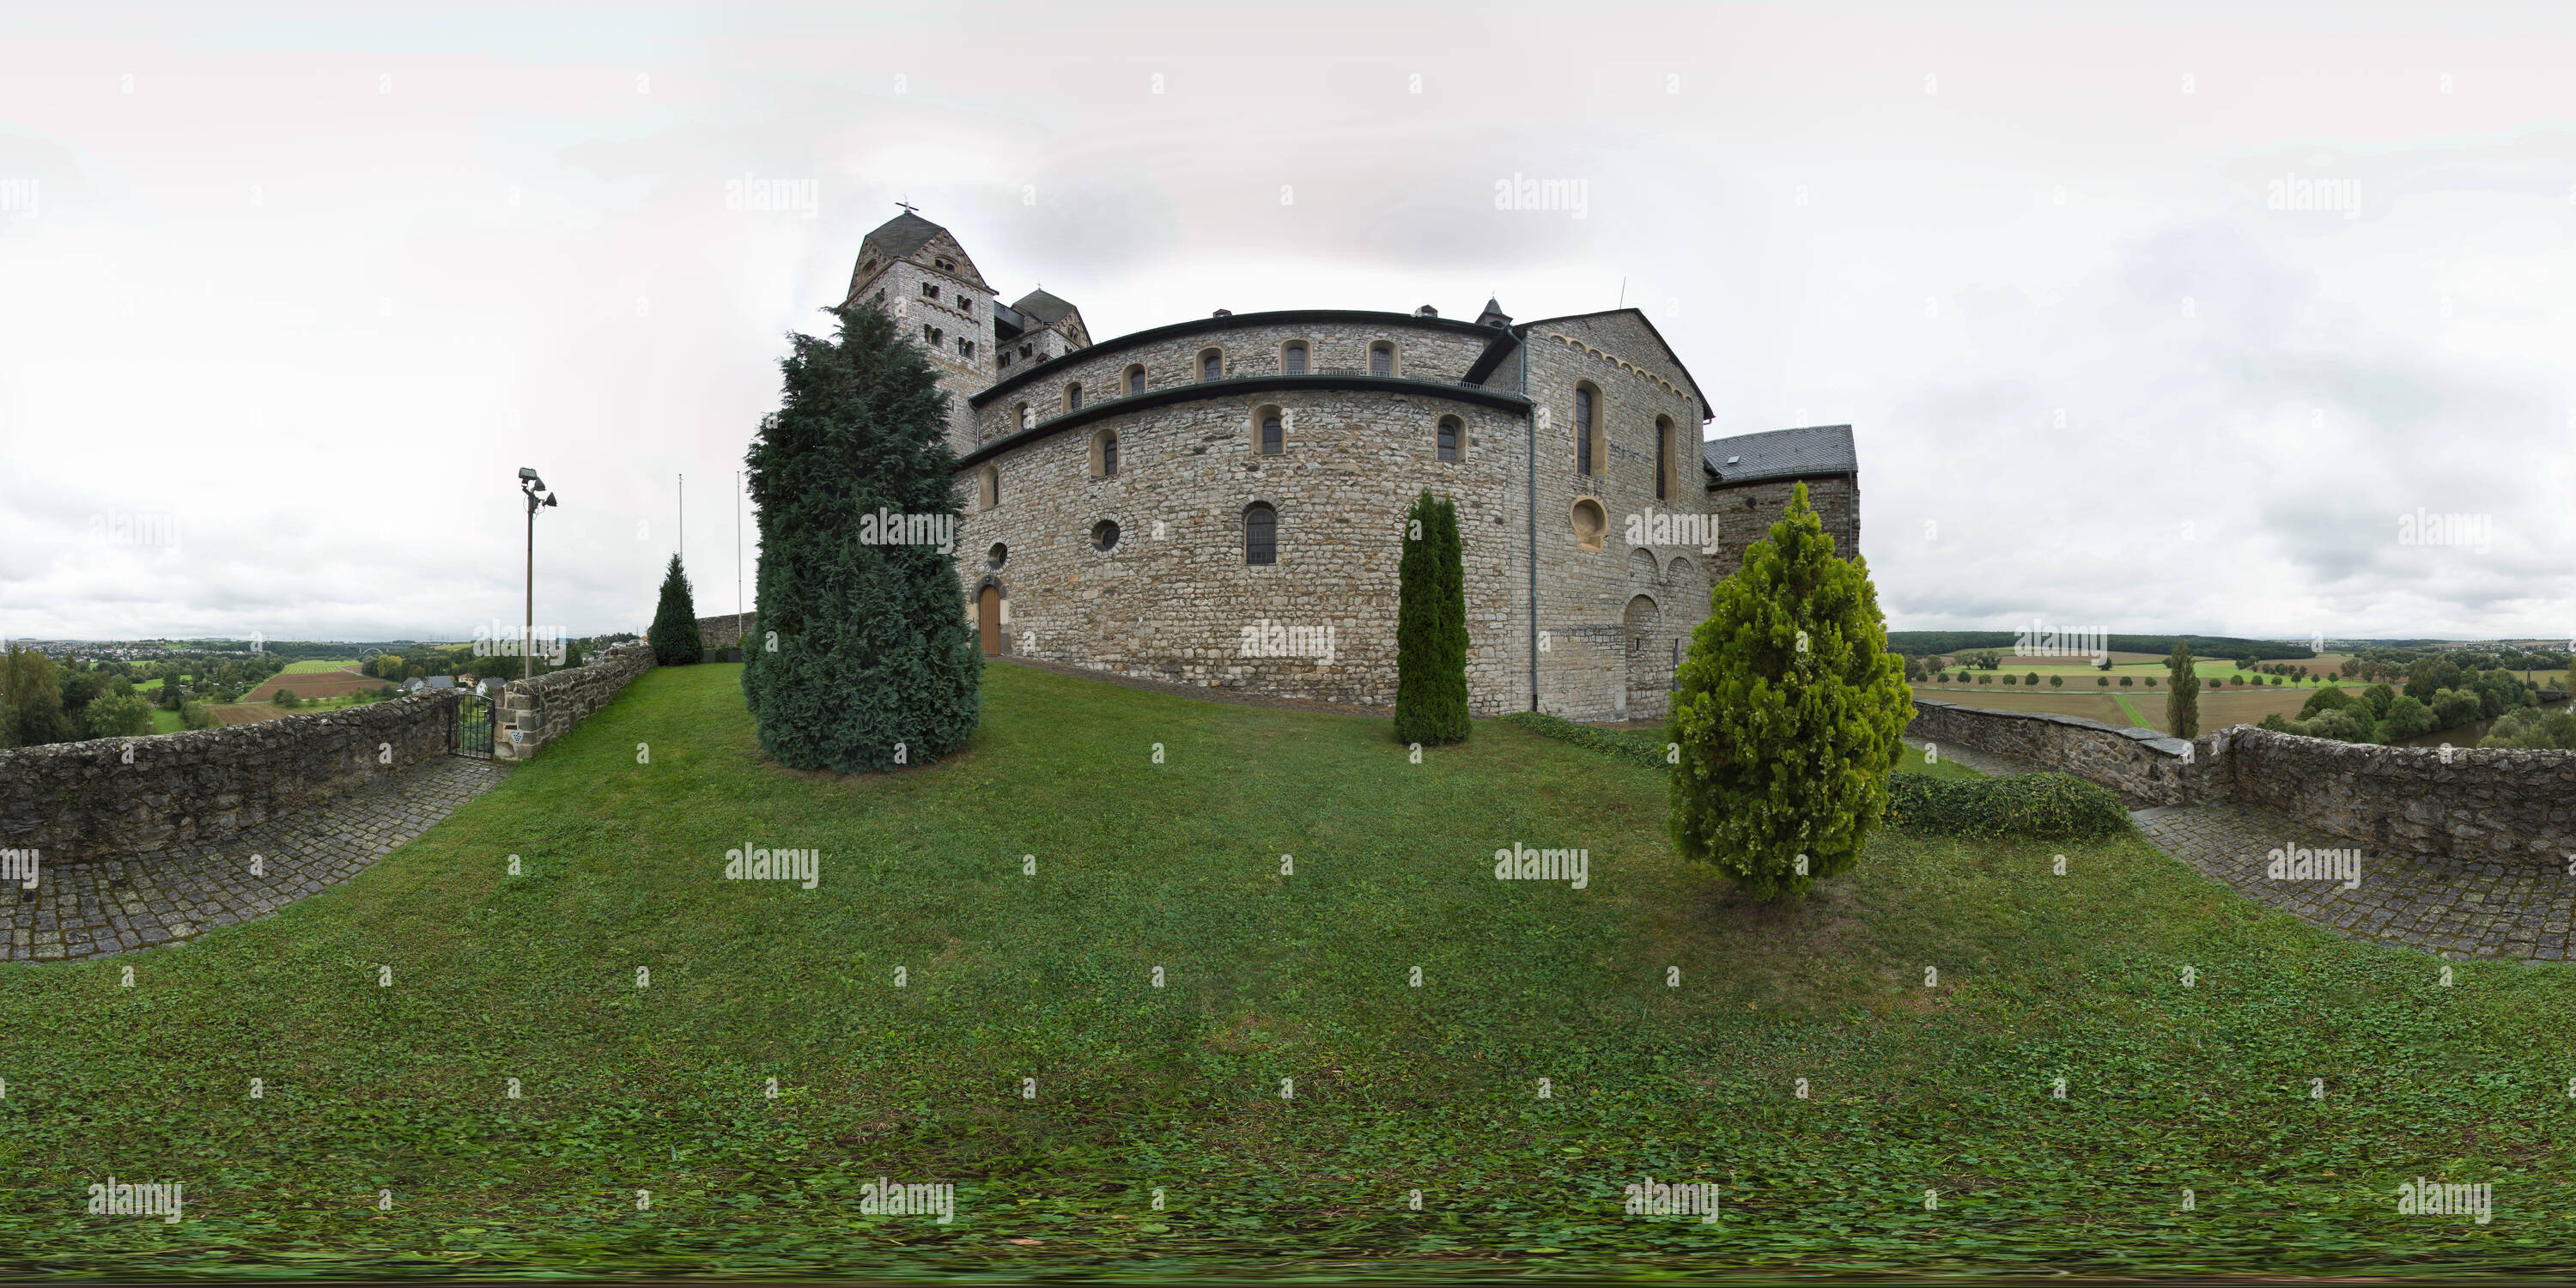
point(84, 801)
point(535, 712)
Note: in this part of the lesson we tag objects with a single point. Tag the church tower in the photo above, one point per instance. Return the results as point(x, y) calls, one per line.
point(917, 271)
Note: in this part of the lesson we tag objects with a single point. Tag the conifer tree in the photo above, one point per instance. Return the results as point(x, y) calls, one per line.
point(1431, 627)
point(675, 621)
point(2182, 694)
point(862, 656)
point(1789, 714)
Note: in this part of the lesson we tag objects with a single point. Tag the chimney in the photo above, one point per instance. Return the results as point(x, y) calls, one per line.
point(1224, 313)
point(1426, 311)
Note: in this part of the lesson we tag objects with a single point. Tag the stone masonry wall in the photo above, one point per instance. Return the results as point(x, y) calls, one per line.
point(1421, 353)
point(535, 712)
point(1171, 600)
point(1603, 657)
point(84, 801)
point(2469, 804)
point(723, 632)
point(2139, 763)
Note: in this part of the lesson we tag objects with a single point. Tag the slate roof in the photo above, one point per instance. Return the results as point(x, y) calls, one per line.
point(1041, 308)
point(902, 235)
point(1782, 453)
point(442, 682)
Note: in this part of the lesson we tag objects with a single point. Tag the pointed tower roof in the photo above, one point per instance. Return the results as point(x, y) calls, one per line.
point(901, 235)
point(1042, 308)
point(1493, 314)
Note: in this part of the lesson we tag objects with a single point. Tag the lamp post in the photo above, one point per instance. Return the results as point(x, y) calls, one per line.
point(529, 486)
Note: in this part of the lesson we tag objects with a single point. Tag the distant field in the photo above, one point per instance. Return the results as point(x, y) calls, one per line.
point(242, 713)
point(166, 721)
point(312, 665)
point(315, 684)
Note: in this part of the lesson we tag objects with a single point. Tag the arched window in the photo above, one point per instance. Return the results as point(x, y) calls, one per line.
point(1381, 359)
point(1583, 417)
point(1663, 455)
point(1021, 415)
point(1211, 364)
point(1292, 358)
point(1136, 378)
point(1073, 396)
point(1274, 430)
point(1104, 454)
point(989, 487)
point(1451, 433)
point(1260, 534)
point(997, 556)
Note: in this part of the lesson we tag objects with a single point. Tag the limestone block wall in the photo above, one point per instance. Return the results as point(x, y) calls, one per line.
point(532, 713)
point(2468, 804)
point(1171, 600)
point(723, 632)
point(113, 797)
point(1746, 511)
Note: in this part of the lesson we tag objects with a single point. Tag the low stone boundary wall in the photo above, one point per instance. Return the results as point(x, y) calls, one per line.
point(113, 797)
point(535, 712)
point(723, 632)
point(2468, 803)
point(2139, 763)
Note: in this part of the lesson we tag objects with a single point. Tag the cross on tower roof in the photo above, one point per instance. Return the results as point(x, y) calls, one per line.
point(907, 207)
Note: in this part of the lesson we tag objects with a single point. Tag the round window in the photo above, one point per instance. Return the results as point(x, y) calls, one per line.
point(1104, 536)
point(997, 556)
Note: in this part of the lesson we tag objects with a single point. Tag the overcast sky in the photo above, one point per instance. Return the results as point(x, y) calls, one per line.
point(303, 286)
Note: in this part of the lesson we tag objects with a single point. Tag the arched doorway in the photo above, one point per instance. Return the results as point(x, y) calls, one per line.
point(1646, 696)
point(988, 620)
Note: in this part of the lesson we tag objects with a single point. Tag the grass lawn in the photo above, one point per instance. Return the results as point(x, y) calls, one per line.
point(1025, 1053)
point(309, 666)
point(164, 721)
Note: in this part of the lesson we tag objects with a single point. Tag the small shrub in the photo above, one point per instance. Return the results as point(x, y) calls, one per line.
point(2040, 806)
point(287, 698)
point(2012, 679)
point(1635, 748)
point(2151, 681)
point(1985, 678)
point(2127, 680)
point(2103, 680)
point(2057, 682)
point(2031, 680)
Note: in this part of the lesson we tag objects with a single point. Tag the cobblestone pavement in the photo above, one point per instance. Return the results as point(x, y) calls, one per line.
point(2452, 909)
point(118, 905)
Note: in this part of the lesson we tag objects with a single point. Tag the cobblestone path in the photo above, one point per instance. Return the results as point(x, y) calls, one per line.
point(2453, 909)
point(104, 908)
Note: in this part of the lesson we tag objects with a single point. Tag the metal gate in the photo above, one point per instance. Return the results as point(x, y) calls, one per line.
point(473, 726)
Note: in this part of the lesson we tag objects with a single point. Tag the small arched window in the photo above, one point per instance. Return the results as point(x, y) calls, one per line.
point(1381, 359)
point(1663, 456)
point(1136, 378)
point(989, 487)
point(1292, 358)
point(1583, 417)
point(1211, 364)
point(1021, 415)
point(1260, 534)
point(1109, 456)
point(1451, 431)
point(1274, 430)
point(1073, 396)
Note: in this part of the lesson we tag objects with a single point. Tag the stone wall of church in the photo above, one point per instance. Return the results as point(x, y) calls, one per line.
point(1604, 655)
point(1746, 511)
point(1173, 597)
point(1421, 352)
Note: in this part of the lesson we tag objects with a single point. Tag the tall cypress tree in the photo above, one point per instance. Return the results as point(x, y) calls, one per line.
point(1431, 627)
point(862, 657)
point(675, 623)
point(1789, 713)
point(2182, 692)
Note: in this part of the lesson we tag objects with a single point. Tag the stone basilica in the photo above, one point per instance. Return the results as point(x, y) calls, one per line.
point(1221, 501)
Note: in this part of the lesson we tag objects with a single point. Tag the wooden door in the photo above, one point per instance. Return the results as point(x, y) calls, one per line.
point(988, 620)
